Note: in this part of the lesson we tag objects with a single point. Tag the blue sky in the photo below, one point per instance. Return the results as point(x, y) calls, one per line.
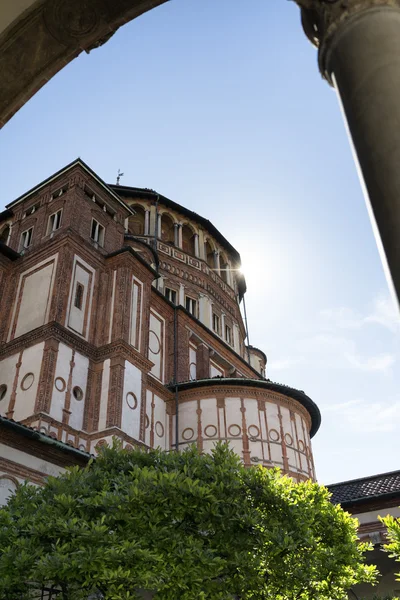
point(219, 105)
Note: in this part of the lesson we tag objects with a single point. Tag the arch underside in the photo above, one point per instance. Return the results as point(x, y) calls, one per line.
point(45, 37)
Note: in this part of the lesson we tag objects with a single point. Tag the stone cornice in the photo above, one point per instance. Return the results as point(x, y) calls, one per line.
point(322, 20)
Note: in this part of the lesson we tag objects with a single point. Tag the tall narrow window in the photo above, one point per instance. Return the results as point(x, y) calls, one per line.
point(97, 233)
point(216, 323)
point(228, 335)
point(26, 239)
point(79, 290)
point(191, 305)
point(54, 222)
point(170, 295)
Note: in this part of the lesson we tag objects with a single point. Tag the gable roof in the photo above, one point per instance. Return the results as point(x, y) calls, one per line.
point(77, 162)
point(382, 486)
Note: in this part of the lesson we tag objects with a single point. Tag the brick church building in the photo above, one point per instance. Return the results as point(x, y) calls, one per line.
point(121, 317)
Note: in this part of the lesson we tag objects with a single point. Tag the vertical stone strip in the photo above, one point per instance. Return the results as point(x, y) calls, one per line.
point(115, 392)
point(298, 453)
point(153, 405)
point(13, 397)
point(67, 401)
point(47, 376)
point(142, 433)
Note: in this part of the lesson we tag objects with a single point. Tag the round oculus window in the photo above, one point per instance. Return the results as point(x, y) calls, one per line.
point(77, 393)
point(60, 384)
point(131, 400)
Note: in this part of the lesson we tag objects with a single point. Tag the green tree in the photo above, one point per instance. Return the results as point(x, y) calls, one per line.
point(393, 533)
point(183, 526)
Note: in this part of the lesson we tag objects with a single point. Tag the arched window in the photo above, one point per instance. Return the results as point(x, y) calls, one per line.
point(167, 229)
point(136, 221)
point(209, 254)
point(4, 234)
point(188, 240)
point(224, 268)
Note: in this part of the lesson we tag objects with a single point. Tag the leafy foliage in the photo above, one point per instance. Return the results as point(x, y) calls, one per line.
point(393, 532)
point(182, 526)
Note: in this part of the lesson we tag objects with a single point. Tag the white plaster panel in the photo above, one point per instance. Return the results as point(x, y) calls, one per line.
point(208, 446)
point(79, 379)
point(291, 455)
point(157, 345)
point(209, 416)
point(369, 517)
point(299, 427)
point(205, 308)
point(237, 446)
point(222, 428)
point(31, 363)
point(62, 370)
point(34, 292)
point(233, 413)
point(272, 417)
point(7, 376)
point(276, 454)
point(112, 305)
point(251, 414)
point(131, 409)
point(187, 419)
point(105, 382)
point(236, 338)
point(256, 449)
point(7, 488)
point(160, 423)
point(136, 313)
point(27, 460)
point(78, 319)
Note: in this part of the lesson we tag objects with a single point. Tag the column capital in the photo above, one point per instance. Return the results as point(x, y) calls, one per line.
point(322, 20)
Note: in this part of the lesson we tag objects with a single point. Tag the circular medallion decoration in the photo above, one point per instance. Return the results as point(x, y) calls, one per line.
point(188, 433)
point(147, 422)
point(154, 343)
point(77, 393)
point(288, 439)
point(131, 400)
point(3, 391)
point(27, 381)
point(100, 444)
point(301, 445)
point(234, 430)
point(159, 427)
point(60, 384)
point(254, 431)
point(274, 435)
point(210, 431)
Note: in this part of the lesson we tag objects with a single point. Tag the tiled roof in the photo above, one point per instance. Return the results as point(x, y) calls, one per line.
point(359, 490)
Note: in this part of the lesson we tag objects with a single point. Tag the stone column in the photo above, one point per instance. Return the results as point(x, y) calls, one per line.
point(196, 245)
point(180, 240)
point(146, 222)
point(216, 261)
point(159, 224)
point(176, 235)
point(359, 54)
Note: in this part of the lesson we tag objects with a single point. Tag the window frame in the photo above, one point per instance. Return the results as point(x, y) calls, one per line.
point(22, 245)
point(195, 305)
point(215, 317)
point(50, 228)
point(168, 289)
point(99, 232)
point(78, 298)
point(228, 338)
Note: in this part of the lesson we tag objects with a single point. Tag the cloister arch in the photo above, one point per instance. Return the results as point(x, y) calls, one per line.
point(188, 239)
point(356, 41)
point(5, 234)
point(167, 233)
point(136, 223)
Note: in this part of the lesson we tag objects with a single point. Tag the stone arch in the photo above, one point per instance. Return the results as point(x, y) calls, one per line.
point(167, 229)
point(5, 234)
point(188, 239)
point(224, 268)
point(136, 223)
point(39, 37)
point(209, 250)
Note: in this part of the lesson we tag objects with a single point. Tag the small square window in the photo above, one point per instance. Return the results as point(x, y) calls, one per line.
point(216, 323)
point(170, 295)
point(79, 291)
point(26, 239)
point(97, 233)
point(54, 222)
point(191, 305)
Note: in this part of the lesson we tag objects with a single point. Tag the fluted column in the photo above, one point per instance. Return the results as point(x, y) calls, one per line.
point(359, 54)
